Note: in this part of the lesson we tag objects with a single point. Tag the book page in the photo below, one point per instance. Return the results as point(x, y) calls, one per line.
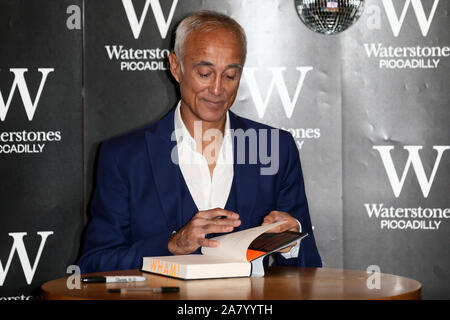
point(234, 245)
point(190, 259)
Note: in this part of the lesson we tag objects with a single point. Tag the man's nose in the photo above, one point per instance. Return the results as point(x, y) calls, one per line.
point(216, 87)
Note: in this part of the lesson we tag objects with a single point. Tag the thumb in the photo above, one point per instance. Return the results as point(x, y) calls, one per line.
point(267, 220)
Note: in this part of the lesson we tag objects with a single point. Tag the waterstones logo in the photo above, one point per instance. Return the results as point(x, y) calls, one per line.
point(418, 57)
point(405, 57)
point(392, 218)
point(24, 141)
point(143, 59)
point(27, 141)
point(413, 218)
point(131, 59)
point(301, 135)
point(289, 94)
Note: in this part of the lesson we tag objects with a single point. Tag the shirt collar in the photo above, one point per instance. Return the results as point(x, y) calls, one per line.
point(184, 138)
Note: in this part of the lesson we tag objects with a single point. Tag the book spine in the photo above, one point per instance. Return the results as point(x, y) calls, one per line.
point(163, 267)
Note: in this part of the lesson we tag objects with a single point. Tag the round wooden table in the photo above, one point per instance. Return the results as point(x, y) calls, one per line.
point(279, 283)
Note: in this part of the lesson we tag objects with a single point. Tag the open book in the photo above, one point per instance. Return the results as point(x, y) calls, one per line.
point(239, 254)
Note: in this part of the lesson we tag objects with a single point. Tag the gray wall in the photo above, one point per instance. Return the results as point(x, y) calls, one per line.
point(346, 105)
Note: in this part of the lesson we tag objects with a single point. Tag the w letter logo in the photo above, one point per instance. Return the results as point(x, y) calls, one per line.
point(136, 24)
point(19, 247)
point(397, 22)
point(20, 83)
point(277, 82)
point(414, 160)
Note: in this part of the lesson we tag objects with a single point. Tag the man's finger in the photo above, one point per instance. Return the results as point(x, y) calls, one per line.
point(212, 228)
point(287, 249)
point(277, 229)
point(205, 223)
point(289, 225)
point(224, 222)
point(276, 216)
point(267, 220)
point(280, 228)
point(203, 242)
point(218, 213)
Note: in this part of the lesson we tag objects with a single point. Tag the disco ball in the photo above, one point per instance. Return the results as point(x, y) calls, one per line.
point(329, 17)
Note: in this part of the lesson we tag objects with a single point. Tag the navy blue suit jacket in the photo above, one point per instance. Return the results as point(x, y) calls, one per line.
point(141, 197)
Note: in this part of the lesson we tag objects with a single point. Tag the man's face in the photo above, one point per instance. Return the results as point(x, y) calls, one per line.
point(213, 64)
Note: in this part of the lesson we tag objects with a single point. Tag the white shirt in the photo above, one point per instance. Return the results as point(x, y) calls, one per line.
point(206, 191)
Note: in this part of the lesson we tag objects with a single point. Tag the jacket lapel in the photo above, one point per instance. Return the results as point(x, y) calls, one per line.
point(166, 173)
point(245, 178)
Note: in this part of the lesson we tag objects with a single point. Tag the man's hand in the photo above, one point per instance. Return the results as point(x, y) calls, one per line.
point(192, 235)
point(291, 225)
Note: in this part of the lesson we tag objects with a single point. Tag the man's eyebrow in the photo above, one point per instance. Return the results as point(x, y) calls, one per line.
point(235, 65)
point(203, 63)
point(210, 64)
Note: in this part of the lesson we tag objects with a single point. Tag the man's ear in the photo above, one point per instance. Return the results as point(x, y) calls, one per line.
point(175, 66)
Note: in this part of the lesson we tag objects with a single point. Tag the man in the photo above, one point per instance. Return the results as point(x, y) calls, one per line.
point(167, 188)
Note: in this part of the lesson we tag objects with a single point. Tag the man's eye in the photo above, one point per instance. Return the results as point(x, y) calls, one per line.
point(204, 75)
point(230, 77)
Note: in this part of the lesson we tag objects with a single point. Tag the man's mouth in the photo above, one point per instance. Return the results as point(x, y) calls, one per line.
point(214, 104)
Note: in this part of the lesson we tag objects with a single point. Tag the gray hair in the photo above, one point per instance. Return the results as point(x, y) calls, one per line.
point(206, 20)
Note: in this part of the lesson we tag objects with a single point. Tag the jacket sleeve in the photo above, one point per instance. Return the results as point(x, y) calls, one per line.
point(107, 238)
point(292, 199)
